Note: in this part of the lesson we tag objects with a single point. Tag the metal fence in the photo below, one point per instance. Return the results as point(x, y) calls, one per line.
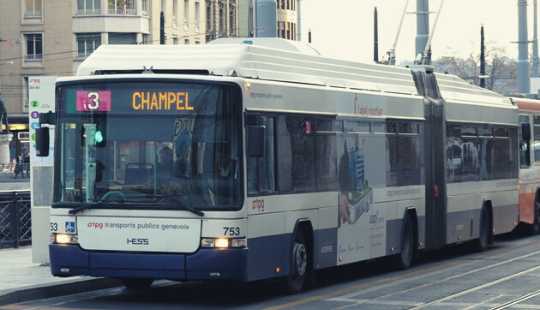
point(12, 171)
point(15, 219)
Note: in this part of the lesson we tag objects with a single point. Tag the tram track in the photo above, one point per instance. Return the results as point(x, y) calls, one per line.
point(346, 294)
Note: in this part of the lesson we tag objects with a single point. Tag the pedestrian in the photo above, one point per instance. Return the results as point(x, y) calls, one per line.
point(18, 166)
point(3, 114)
point(27, 165)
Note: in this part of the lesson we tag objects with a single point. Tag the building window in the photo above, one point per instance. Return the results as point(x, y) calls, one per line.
point(186, 14)
point(232, 19)
point(175, 14)
point(87, 43)
point(186, 41)
point(33, 8)
point(145, 38)
point(197, 16)
point(34, 46)
point(88, 7)
point(122, 38)
point(222, 17)
point(144, 4)
point(122, 7)
point(175, 41)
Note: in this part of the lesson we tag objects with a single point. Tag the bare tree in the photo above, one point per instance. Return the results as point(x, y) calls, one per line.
point(500, 69)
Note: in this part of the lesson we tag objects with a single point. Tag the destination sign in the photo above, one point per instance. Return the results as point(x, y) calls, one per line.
point(142, 98)
point(161, 101)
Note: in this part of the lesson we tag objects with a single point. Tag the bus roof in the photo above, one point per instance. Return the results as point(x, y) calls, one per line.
point(270, 59)
point(274, 59)
point(527, 104)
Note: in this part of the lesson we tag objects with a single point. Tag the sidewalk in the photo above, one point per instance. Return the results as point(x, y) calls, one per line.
point(22, 280)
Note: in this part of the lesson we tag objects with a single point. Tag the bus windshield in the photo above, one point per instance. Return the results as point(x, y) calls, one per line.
point(126, 144)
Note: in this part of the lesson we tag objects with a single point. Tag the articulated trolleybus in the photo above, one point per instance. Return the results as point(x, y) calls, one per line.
point(263, 160)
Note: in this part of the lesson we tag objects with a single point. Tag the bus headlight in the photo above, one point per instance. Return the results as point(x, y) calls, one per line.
point(223, 243)
point(65, 239)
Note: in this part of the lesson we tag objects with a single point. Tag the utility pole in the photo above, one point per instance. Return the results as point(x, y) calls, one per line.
point(523, 65)
point(535, 42)
point(482, 59)
point(376, 37)
point(422, 25)
point(162, 28)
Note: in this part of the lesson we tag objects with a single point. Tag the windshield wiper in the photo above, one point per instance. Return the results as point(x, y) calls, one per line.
point(178, 203)
point(93, 205)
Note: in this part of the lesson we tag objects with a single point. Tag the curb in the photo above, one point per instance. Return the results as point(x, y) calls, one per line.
point(55, 290)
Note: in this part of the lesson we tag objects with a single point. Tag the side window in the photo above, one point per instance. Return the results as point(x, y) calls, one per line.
point(536, 131)
point(325, 158)
point(524, 147)
point(481, 153)
point(302, 141)
point(454, 157)
point(470, 153)
point(409, 150)
point(403, 145)
point(261, 171)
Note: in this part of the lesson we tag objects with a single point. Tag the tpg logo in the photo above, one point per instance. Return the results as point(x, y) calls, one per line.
point(95, 225)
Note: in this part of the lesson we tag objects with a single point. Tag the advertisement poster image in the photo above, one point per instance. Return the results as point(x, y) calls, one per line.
point(362, 167)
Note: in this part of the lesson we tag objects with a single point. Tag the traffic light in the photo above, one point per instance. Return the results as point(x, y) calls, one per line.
point(100, 135)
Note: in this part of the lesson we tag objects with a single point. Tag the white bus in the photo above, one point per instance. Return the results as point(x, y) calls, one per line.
point(249, 160)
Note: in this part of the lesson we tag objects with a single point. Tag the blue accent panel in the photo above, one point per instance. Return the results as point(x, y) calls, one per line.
point(325, 248)
point(139, 273)
point(230, 264)
point(137, 261)
point(68, 256)
point(421, 232)
point(143, 265)
point(266, 254)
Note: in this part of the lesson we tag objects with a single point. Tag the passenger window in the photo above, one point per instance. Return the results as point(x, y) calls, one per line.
point(524, 147)
point(261, 171)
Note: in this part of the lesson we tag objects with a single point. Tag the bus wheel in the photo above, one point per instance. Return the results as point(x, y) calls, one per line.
point(482, 241)
point(534, 228)
point(137, 283)
point(299, 262)
point(404, 259)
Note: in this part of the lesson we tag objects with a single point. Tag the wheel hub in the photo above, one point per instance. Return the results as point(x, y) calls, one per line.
point(300, 259)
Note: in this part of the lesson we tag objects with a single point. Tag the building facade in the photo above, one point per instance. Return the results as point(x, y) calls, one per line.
point(54, 39)
point(221, 19)
point(287, 18)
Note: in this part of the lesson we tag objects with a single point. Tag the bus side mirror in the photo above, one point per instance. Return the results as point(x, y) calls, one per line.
point(526, 131)
point(256, 140)
point(42, 141)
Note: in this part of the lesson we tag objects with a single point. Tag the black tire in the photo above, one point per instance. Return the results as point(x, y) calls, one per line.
point(405, 257)
point(534, 228)
point(137, 283)
point(299, 264)
point(480, 244)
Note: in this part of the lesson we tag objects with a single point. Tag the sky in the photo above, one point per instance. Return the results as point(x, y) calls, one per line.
point(344, 28)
